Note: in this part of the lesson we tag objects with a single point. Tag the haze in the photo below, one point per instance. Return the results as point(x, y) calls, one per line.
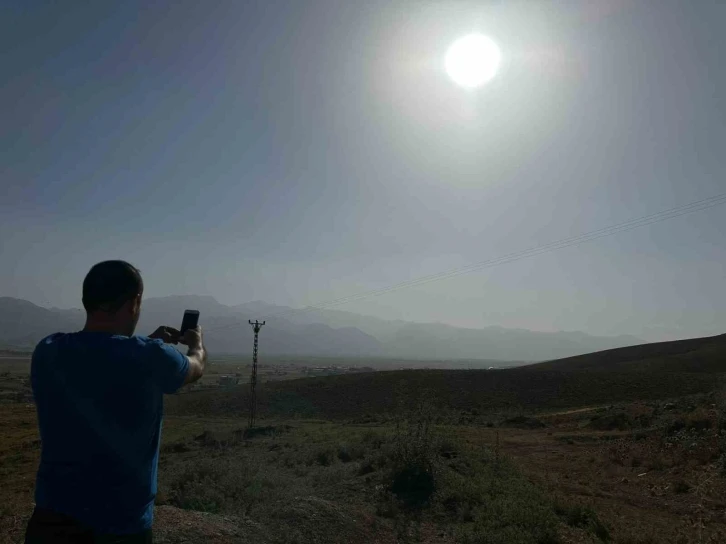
point(297, 152)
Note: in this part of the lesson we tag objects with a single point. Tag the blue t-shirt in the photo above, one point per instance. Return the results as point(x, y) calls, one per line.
point(100, 402)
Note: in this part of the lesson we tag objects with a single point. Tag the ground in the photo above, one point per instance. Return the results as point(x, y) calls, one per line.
point(323, 481)
point(423, 456)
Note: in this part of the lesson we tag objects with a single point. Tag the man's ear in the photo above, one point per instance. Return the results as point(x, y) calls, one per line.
point(133, 305)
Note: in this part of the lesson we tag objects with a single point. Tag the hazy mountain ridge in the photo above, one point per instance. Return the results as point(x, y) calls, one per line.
point(23, 324)
point(315, 332)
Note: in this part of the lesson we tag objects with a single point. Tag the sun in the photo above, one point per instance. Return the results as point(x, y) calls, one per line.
point(472, 60)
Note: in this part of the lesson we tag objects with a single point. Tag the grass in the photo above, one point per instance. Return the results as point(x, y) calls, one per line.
point(414, 473)
point(302, 480)
point(495, 503)
point(481, 461)
point(463, 397)
point(225, 484)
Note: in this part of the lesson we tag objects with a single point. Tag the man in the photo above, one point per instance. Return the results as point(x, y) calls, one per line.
point(99, 398)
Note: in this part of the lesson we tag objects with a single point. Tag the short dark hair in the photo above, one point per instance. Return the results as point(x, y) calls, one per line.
point(110, 284)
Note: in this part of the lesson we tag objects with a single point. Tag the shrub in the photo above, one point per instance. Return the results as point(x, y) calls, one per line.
point(269, 430)
point(657, 462)
point(216, 485)
point(325, 458)
point(414, 456)
point(681, 487)
point(413, 485)
point(206, 486)
point(366, 468)
point(175, 447)
point(210, 439)
point(372, 438)
point(350, 453)
point(675, 426)
point(524, 422)
point(508, 509)
point(583, 517)
point(447, 448)
point(699, 420)
point(387, 507)
point(344, 454)
point(611, 422)
point(493, 502)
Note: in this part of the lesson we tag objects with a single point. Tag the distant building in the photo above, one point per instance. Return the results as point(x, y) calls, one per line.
point(226, 381)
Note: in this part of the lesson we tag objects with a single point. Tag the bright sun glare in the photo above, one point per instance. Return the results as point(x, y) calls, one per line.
point(472, 60)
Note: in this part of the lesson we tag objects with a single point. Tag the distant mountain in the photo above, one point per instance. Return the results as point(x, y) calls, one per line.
point(315, 332)
point(380, 328)
point(436, 341)
point(441, 341)
point(22, 323)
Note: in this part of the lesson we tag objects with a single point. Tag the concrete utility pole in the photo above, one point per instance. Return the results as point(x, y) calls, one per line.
point(256, 326)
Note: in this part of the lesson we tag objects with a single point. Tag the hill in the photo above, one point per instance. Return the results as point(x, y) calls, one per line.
point(378, 394)
point(646, 372)
point(315, 332)
point(706, 354)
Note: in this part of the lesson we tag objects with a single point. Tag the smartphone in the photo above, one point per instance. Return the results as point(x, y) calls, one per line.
point(190, 320)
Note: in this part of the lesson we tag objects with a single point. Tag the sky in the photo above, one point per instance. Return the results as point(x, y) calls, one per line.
point(298, 152)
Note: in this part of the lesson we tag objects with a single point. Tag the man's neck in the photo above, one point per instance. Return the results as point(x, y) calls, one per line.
point(104, 326)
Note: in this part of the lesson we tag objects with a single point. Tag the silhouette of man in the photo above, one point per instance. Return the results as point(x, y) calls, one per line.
point(99, 398)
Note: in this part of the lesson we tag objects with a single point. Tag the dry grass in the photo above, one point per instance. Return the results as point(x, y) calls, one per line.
point(491, 457)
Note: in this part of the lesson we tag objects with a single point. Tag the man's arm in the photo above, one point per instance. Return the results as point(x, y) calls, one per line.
point(197, 354)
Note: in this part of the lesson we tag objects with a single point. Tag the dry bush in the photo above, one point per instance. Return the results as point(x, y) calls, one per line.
point(415, 456)
point(222, 485)
point(583, 517)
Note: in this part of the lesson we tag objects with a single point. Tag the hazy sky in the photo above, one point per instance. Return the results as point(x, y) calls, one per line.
point(296, 152)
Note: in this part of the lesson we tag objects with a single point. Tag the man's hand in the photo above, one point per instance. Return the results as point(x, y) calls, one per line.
point(192, 338)
point(168, 335)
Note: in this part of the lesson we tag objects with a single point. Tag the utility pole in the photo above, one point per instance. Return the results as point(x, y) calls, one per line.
point(256, 326)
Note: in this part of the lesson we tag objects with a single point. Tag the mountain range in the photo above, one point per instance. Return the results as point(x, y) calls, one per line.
point(314, 332)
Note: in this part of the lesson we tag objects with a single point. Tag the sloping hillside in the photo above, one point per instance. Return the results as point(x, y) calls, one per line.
point(694, 355)
point(650, 371)
point(454, 391)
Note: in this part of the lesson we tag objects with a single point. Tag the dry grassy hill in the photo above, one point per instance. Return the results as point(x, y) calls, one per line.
point(647, 372)
point(706, 354)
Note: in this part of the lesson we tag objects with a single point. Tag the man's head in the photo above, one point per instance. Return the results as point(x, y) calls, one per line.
point(112, 297)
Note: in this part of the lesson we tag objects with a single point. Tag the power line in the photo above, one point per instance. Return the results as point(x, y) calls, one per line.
point(671, 213)
point(537, 250)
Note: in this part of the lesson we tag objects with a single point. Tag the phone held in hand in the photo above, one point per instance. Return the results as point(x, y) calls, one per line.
point(190, 320)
